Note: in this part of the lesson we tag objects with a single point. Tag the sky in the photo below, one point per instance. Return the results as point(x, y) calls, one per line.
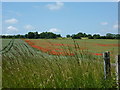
point(60, 0)
point(59, 17)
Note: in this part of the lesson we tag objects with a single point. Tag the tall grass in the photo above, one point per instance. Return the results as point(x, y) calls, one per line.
point(25, 67)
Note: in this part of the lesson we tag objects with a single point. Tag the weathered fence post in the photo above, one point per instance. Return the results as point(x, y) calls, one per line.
point(118, 70)
point(107, 66)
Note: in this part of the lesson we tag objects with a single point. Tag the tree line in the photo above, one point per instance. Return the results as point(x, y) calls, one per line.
point(95, 36)
point(34, 35)
point(50, 35)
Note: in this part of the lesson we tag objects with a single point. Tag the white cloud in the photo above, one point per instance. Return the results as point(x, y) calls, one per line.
point(11, 29)
point(104, 23)
point(29, 27)
point(11, 21)
point(54, 30)
point(56, 6)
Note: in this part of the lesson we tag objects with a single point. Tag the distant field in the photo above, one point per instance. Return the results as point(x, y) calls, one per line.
point(93, 47)
point(56, 63)
point(5, 42)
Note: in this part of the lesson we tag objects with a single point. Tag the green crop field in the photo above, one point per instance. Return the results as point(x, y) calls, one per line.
point(56, 63)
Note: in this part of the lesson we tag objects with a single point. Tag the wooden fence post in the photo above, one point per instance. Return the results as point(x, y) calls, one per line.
point(107, 66)
point(118, 70)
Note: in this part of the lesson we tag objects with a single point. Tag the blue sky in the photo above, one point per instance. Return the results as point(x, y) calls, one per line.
point(60, 17)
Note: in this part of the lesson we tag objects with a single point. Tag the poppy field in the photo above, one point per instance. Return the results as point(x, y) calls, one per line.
point(70, 47)
point(57, 63)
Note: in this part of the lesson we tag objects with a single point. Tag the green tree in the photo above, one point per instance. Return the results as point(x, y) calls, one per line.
point(76, 36)
point(110, 36)
point(26, 35)
point(80, 34)
point(102, 37)
point(96, 36)
point(90, 36)
point(117, 36)
point(68, 36)
point(47, 35)
point(36, 35)
point(85, 35)
point(31, 35)
point(58, 35)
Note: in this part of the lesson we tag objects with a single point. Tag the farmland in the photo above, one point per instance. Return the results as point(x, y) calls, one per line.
point(57, 63)
point(93, 46)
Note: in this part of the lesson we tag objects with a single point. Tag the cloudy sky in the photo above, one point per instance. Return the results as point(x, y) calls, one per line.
point(60, 17)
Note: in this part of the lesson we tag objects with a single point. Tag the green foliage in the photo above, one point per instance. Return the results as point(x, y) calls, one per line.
point(76, 36)
point(79, 35)
point(47, 35)
point(90, 36)
point(31, 35)
point(68, 36)
point(58, 35)
point(96, 36)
